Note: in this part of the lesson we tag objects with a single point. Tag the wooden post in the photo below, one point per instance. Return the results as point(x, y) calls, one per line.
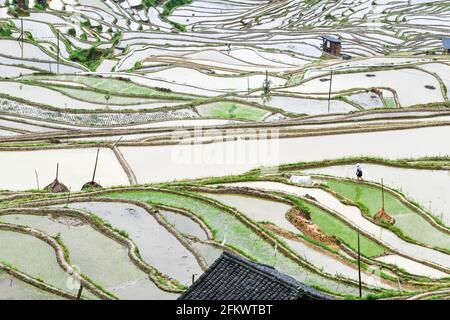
point(115, 143)
point(382, 194)
point(95, 167)
point(57, 57)
point(57, 170)
point(68, 197)
point(21, 36)
point(329, 91)
point(80, 290)
point(275, 253)
point(193, 278)
point(37, 178)
point(359, 267)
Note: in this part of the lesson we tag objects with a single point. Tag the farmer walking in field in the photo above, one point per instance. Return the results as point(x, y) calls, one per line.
point(359, 172)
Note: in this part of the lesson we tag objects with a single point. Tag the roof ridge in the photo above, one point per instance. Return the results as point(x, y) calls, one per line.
point(256, 266)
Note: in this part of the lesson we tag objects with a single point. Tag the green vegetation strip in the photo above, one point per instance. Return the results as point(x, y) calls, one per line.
point(231, 110)
point(238, 236)
point(409, 224)
point(332, 226)
point(116, 85)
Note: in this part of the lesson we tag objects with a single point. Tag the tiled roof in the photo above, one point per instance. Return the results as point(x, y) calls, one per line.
point(332, 39)
point(232, 277)
point(446, 43)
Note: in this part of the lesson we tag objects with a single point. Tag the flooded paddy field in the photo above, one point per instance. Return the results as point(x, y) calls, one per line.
point(230, 231)
point(94, 254)
point(223, 126)
point(14, 289)
point(73, 168)
point(170, 160)
point(410, 182)
point(157, 245)
point(35, 258)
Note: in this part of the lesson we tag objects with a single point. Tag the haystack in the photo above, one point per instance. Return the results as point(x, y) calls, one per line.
point(381, 215)
point(56, 186)
point(92, 184)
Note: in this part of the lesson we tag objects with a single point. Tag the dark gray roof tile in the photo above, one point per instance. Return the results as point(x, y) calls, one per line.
point(232, 277)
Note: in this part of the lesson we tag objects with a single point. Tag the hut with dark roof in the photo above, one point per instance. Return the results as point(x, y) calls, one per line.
point(232, 277)
point(446, 45)
point(56, 186)
point(331, 45)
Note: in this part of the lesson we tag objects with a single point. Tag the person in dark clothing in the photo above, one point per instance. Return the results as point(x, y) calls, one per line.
point(359, 172)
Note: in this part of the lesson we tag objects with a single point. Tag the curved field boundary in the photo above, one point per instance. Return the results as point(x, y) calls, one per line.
point(428, 217)
point(239, 216)
point(37, 283)
point(168, 140)
point(260, 232)
point(94, 194)
point(189, 215)
point(124, 164)
point(167, 285)
point(60, 258)
point(350, 224)
point(273, 197)
point(421, 296)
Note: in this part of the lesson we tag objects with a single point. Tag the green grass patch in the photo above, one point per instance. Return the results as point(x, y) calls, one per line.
point(236, 233)
point(333, 226)
point(118, 86)
point(91, 58)
point(232, 110)
point(171, 5)
point(390, 103)
point(410, 224)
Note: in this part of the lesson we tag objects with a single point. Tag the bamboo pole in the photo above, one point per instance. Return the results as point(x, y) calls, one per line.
point(95, 166)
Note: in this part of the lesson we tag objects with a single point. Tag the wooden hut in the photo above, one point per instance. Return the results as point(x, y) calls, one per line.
point(331, 45)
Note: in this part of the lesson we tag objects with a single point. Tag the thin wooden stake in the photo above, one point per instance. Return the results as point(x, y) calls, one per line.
point(80, 290)
point(57, 57)
point(95, 167)
point(68, 197)
point(21, 36)
point(276, 254)
point(382, 194)
point(329, 92)
point(115, 143)
point(37, 178)
point(359, 267)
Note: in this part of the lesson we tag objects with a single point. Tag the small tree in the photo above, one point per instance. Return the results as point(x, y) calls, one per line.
point(231, 111)
point(266, 85)
point(107, 97)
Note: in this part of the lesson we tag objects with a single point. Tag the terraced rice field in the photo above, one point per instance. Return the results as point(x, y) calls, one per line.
point(139, 140)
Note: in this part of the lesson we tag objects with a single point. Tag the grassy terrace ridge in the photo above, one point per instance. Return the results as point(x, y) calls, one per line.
point(170, 5)
point(232, 110)
point(335, 227)
point(142, 80)
point(237, 235)
point(408, 224)
point(113, 85)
